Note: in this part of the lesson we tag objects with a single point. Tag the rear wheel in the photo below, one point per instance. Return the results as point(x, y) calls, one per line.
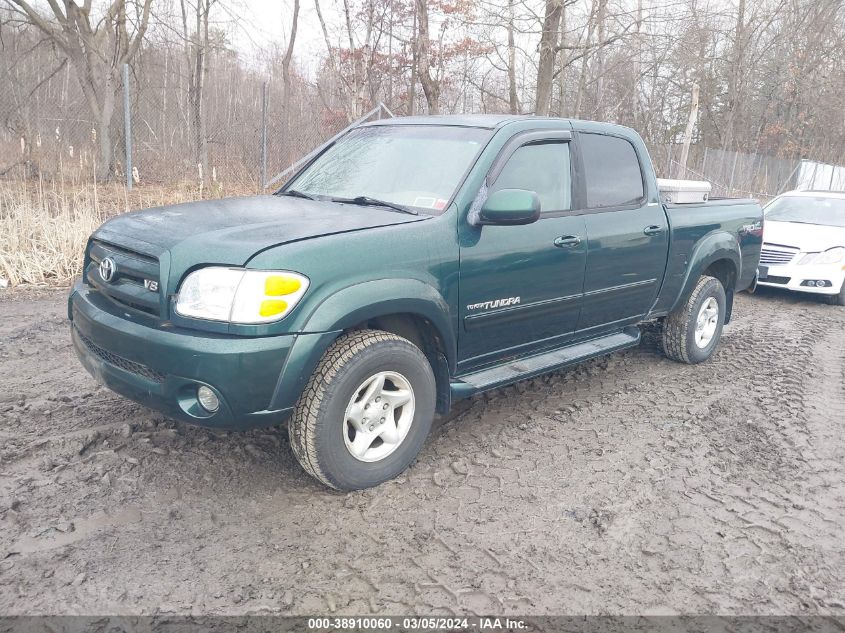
point(366, 411)
point(692, 332)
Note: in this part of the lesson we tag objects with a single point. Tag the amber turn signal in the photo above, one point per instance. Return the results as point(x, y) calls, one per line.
point(278, 286)
point(272, 307)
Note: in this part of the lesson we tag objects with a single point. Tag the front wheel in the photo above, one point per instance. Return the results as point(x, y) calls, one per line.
point(838, 300)
point(365, 412)
point(692, 332)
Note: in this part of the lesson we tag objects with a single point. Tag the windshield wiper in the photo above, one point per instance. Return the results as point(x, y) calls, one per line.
point(293, 193)
point(366, 201)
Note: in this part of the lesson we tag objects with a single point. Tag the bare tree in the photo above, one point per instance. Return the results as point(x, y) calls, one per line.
point(430, 84)
point(548, 52)
point(412, 84)
point(286, 62)
point(601, 27)
point(736, 70)
point(97, 50)
point(197, 50)
point(769, 74)
point(513, 96)
point(693, 118)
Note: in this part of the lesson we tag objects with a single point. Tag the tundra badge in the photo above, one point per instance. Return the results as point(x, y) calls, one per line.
point(497, 303)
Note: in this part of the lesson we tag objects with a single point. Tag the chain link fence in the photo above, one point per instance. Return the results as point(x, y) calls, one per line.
point(246, 130)
point(243, 130)
point(250, 138)
point(46, 127)
point(731, 173)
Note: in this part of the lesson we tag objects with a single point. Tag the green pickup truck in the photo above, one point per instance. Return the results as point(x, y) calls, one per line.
point(409, 263)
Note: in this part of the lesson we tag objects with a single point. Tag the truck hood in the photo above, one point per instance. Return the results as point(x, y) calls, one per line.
point(808, 238)
point(232, 230)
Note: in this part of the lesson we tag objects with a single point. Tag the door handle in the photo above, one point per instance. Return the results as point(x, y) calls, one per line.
point(567, 241)
point(653, 230)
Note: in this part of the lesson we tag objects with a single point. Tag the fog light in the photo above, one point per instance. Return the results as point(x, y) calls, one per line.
point(208, 399)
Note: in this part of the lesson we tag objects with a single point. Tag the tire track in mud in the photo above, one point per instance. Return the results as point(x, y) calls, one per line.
point(628, 484)
point(820, 509)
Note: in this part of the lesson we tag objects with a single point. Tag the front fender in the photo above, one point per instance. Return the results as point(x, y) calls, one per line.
point(381, 297)
point(349, 307)
point(712, 248)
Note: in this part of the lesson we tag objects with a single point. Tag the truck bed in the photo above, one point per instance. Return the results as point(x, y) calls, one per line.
point(734, 222)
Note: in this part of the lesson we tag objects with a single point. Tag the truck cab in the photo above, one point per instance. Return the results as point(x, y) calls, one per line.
point(409, 263)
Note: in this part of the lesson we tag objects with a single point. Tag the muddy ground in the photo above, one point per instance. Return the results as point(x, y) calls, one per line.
point(630, 484)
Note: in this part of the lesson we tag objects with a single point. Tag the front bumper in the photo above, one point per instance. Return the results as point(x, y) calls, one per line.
point(792, 276)
point(162, 367)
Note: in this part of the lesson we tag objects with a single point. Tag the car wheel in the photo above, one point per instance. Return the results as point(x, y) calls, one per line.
point(692, 332)
point(839, 300)
point(366, 411)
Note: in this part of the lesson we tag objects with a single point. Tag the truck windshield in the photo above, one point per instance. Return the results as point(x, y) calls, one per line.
point(808, 210)
point(415, 166)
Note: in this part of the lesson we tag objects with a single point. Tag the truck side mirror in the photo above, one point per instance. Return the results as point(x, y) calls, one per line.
point(508, 207)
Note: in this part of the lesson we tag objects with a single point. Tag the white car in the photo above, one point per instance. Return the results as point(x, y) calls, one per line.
point(804, 243)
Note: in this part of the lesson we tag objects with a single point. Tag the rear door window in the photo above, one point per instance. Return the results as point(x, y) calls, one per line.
point(611, 171)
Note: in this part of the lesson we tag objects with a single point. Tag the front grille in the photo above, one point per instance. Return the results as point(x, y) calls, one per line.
point(776, 280)
point(119, 361)
point(777, 255)
point(134, 274)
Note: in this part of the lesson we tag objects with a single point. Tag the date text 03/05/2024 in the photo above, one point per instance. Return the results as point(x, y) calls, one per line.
point(388, 623)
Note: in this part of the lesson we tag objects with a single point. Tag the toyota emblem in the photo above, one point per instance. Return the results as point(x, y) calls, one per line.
point(107, 269)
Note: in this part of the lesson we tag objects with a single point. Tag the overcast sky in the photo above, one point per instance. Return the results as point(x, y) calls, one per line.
point(265, 22)
point(257, 24)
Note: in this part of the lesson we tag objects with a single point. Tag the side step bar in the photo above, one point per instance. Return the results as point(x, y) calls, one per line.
point(515, 370)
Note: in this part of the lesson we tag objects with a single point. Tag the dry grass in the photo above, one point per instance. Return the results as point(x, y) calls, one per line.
point(44, 226)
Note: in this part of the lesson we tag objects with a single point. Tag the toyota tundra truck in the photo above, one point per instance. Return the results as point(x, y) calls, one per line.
point(407, 264)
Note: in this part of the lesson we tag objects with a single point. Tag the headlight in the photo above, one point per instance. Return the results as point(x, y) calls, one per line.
point(830, 256)
point(238, 295)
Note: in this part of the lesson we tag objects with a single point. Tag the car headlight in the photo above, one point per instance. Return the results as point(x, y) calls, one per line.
point(830, 256)
point(238, 295)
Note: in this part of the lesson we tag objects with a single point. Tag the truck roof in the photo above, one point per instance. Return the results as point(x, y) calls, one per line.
point(484, 121)
point(487, 121)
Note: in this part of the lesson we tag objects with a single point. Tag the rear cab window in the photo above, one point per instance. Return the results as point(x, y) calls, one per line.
point(612, 173)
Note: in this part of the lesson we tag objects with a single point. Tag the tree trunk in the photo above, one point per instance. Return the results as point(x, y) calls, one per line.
point(562, 63)
point(286, 61)
point(638, 66)
point(412, 87)
point(196, 50)
point(735, 75)
point(513, 97)
point(582, 77)
point(105, 163)
point(97, 50)
point(693, 117)
point(430, 85)
point(548, 49)
point(355, 110)
point(601, 19)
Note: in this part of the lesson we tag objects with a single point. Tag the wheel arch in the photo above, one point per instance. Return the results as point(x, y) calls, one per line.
point(409, 308)
point(717, 255)
point(425, 335)
point(726, 272)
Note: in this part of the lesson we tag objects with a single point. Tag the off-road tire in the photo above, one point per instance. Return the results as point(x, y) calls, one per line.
point(679, 327)
point(316, 426)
